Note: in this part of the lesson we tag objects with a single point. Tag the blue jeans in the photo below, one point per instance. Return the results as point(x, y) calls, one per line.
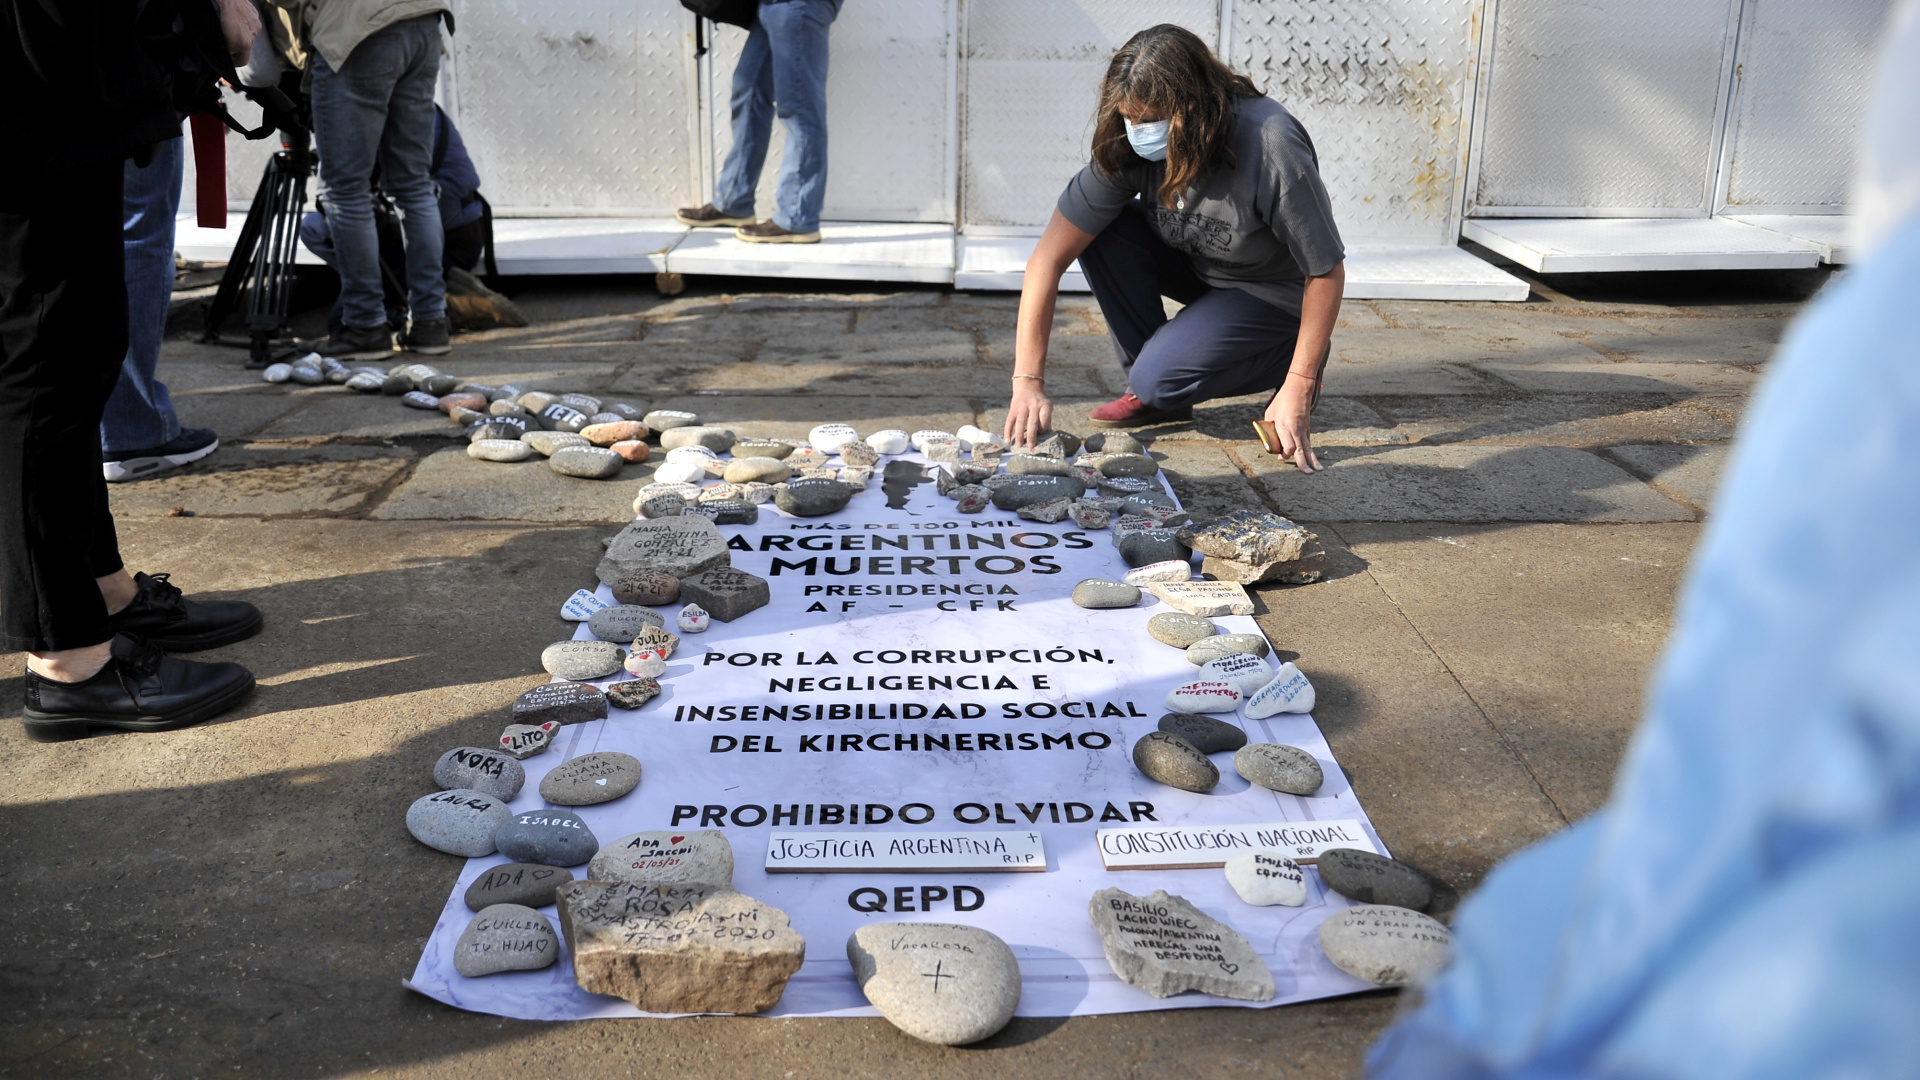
point(783, 69)
point(140, 413)
point(378, 109)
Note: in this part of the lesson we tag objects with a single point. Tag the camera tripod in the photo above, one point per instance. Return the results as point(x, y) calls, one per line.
point(261, 266)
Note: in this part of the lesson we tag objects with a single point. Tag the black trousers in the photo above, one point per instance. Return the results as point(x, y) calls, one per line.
point(1224, 342)
point(63, 334)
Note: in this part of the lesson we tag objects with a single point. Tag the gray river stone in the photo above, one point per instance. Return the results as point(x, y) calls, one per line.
point(812, 498)
point(668, 419)
point(1115, 442)
point(562, 703)
point(1128, 465)
point(506, 937)
point(500, 427)
point(1143, 547)
point(504, 407)
point(1036, 465)
point(581, 661)
point(1278, 767)
point(667, 504)
point(938, 982)
point(489, 772)
point(777, 449)
point(1096, 593)
point(756, 470)
point(586, 403)
point(678, 546)
point(1375, 879)
point(458, 822)
point(1060, 444)
point(647, 587)
point(1213, 648)
point(535, 400)
point(499, 450)
point(1207, 735)
point(1249, 536)
point(586, 462)
point(1179, 630)
point(528, 884)
point(1386, 946)
point(726, 593)
point(1172, 760)
point(1027, 490)
point(551, 837)
point(1165, 946)
point(591, 779)
point(666, 856)
point(549, 443)
point(623, 622)
point(558, 417)
point(717, 439)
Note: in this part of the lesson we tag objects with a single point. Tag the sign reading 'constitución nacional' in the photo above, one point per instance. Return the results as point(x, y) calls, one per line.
point(847, 853)
point(919, 709)
point(1195, 846)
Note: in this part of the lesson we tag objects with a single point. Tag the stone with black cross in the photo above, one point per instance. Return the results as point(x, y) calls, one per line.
point(939, 982)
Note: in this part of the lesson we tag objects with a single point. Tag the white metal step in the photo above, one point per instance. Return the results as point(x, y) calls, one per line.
point(1583, 245)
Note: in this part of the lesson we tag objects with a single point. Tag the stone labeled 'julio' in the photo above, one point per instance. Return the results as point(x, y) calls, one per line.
point(679, 948)
point(1165, 946)
point(938, 982)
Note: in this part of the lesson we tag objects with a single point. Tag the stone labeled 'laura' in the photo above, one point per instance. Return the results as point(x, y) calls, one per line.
point(458, 822)
point(1278, 767)
point(665, 856)
point(506, 937)
point(1386, 946)
point(528, 884)
point(1375, 879)
point(591, 779)
point(486, 771)
point(679, 547)
point(679, 948)
point(1165, 946)
point(938, 982)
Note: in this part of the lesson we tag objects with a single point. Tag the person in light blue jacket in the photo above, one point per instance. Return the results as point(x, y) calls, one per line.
point(1747, 905)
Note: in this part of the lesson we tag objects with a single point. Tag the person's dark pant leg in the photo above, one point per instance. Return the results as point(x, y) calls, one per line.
point(63, 335)
point(1224, 343)
point(1130, 268)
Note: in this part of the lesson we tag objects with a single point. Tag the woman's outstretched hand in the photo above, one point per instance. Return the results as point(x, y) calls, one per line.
point(1291, 414)
point(1029, 414)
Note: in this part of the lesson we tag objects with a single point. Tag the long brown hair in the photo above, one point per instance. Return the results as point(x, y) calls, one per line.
point(1168, 70)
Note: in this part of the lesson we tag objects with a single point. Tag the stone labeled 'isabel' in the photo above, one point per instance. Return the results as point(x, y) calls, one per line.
point(679, 948)
point(938, 982)
point(1165, 946)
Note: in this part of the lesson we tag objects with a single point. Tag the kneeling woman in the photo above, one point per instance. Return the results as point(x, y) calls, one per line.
point(1202, 190)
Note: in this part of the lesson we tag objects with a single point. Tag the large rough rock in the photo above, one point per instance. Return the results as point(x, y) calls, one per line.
point(1249, 536)
point(939, 982)
point(679, 948)
point(1164, 945)
point(679, 547)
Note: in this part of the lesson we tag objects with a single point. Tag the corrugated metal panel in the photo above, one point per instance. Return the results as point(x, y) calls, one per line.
point(576, 107)
point(889, 108)
point(1607, 107)
point(1033, 71)
point(1381, 87)
point(1801, 86)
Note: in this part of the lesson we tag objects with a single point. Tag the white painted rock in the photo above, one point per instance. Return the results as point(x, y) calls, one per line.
point(1207, 599)
point(921, 439)
point(1153, 573)
point(691, 455)
point(647, 663)
point(1289, 692)
point(525, 740)
point(694, 619)
point(1266, 878)
point(679, 472)
point(506, 937)
point(666, 856)
point(1203, 696)
point(1386, 946)
point(938, 982)
point(829, 438)
point(1246, 672)
point(890, 441)
point(277, 372)
point(581, 606)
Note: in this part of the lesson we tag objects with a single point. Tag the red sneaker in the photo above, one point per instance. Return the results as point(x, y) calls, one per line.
point(1129, 411)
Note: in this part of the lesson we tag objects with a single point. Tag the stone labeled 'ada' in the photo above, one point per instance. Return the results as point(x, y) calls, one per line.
point(679, 948)
point(679, 547)
point(561, 702)
point(1165, 946)
point(938, 982)
point(667, 857)
point(528, 884)
point(506, 937)
point(1386, 946)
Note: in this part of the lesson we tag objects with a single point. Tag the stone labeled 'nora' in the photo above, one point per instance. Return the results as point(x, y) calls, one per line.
point(1386, 946)
point(666, 856)
point(679, 948)
point(1165, 946)
point(487, 771)
point(937, 982)
point(506, 937)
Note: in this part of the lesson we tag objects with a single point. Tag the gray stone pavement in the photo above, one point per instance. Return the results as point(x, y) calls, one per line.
point(1513, 493)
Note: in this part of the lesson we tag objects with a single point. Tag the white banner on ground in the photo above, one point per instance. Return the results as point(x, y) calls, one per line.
point(921, 670)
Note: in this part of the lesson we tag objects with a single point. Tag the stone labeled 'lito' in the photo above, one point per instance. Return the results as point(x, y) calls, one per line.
point(525, 740)
point(549, 837)
point(1165, 946)
point(679, 948)
point(938, 982)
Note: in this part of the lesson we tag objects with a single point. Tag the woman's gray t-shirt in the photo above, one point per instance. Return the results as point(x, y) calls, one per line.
point(1263, 226)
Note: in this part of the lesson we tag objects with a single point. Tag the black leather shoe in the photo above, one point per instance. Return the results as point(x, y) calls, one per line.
point(140, 689)
point(161, 615)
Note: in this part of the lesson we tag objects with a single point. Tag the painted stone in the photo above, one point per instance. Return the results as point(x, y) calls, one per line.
point(938, 982)
point(549, 837)
point(623, 622)
point(1178, 629)
point(633, 693)
point(581, 606)
point(726, 593)
point(1155, 573)
point(693, 619)
point(1165, 946)
point(1213, 648)
point(646, 587)
point(581, 661)
point(1288, 692)
point(1095, 593)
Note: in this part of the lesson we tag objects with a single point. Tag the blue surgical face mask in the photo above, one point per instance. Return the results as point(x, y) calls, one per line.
point(1148, 140)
